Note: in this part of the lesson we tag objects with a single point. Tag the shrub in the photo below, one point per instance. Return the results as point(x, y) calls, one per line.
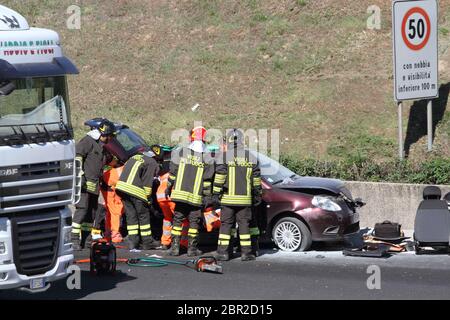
point(434, 171)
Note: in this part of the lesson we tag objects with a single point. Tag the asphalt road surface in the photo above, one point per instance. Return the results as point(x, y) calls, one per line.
point(323, 273)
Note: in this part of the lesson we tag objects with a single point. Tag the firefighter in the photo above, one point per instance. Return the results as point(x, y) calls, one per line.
point(190, 177)
point(254, 222)
point(113, 202)
point(89, 151)
point(237, 182)
point(166, 205)
point(135, 189)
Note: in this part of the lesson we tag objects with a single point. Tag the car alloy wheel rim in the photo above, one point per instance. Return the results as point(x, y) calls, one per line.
point(288, 236)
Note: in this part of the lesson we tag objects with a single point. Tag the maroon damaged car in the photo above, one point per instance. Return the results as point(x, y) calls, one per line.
point(295, 211)
point(299, 210)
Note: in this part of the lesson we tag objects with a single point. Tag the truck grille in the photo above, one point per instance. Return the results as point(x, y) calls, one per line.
point(35, 186)
point(36, 170)
point(35, 242)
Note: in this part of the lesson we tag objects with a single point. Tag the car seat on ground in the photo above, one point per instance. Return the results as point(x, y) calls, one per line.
point(432, 192)
point(432, 223)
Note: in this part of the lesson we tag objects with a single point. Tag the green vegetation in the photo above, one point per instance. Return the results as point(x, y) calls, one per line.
point(435, 171)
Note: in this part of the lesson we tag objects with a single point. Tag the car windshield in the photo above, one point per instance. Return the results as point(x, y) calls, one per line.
point(272, 170)
point(130, 140)
point(35, 101)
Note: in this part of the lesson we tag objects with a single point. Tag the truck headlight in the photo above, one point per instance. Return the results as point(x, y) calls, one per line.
point(325, 203)
point(2, 248)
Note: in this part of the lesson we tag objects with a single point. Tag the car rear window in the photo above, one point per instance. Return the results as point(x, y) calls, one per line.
point(130, 140)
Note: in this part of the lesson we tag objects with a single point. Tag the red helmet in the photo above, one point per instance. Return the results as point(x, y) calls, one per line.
point(198, 133)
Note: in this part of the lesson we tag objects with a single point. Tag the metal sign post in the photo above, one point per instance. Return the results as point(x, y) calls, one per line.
point(400, 131)
point(430, 125)
point(415, 42)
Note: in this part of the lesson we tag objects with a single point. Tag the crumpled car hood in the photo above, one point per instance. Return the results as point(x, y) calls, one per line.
point(333, 185)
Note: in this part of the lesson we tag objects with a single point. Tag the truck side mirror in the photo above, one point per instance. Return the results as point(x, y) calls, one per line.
point(6, 88)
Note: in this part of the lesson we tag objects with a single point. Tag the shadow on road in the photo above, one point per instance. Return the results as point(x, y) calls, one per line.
point(59, 291)
point(417, 123)
point(351, 241)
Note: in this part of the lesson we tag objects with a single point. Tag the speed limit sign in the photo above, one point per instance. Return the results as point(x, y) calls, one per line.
point(415, 40)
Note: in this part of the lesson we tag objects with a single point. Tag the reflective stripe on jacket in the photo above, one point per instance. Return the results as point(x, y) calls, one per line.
point(137, 177)
point(90, 153)
point(190, 175)
point(237, 177)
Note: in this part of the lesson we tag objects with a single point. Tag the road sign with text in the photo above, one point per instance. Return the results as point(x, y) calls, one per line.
point(415, 41)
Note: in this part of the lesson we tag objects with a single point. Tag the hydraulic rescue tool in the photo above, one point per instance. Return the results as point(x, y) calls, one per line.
point(103, 257)
point(202, 264)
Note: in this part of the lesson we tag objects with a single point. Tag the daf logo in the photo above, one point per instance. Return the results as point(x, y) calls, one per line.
point(8, 172)
point(68, 165)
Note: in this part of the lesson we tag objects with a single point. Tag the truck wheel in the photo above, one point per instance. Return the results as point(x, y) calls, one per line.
point(291, 234)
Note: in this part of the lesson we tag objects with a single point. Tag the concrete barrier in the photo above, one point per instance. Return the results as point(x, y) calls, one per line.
point(388, 201)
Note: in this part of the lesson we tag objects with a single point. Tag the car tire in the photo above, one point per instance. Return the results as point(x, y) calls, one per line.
point(291, 234)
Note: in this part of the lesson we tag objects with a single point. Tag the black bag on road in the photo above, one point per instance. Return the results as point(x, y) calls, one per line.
point(388, 230)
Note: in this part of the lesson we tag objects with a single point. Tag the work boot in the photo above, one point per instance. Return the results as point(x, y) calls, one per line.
point(222, 253)
point(255, 246)
point(148, 243)
point(247, 254)
point(175, 247)
point(193, 247)
point(76, 245)
point(132, 242)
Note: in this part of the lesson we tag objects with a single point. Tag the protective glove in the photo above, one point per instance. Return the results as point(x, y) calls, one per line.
point(212, 201)
point(206, 202)
point(103, 185)
point(257, 200)
point(215, 201)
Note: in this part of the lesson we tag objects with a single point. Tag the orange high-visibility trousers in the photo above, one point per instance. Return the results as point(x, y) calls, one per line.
point(113, 202)
point(168, 207)
point(212, 219)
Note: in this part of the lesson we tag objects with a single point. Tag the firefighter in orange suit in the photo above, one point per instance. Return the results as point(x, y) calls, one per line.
point(168, 208)
point(212, 219)
point(113, 202)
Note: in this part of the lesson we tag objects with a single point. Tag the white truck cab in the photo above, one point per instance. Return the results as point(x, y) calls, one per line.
point(38, 175)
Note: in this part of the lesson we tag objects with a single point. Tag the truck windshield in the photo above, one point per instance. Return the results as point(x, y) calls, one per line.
point(36, 106)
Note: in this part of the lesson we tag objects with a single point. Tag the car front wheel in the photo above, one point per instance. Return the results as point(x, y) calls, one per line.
point(291, 234)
